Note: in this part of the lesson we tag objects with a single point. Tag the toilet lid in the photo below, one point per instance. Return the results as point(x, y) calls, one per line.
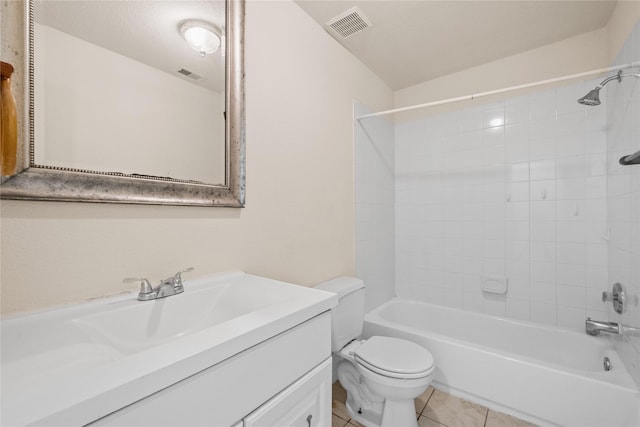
point(395, 357)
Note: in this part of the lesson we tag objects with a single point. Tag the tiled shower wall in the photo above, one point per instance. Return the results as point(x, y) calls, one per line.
point(623, 138)
point(514, 191)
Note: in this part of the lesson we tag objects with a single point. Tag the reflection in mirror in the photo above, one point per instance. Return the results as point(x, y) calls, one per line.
point(130, 104)
point(118, 89)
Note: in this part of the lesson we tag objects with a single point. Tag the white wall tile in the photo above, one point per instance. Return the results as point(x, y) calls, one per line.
point(572, 296)
point(518, 308)
point(543, 313)
point(571, 317)
point(572, 274)
point(572, 253)
point(542, 105)
point(516, 110)
point(571, 123)
point(495, 305)
point(544, 272)
point(571, 167)
point(543, 169)
point(542, 148)
point(566, 98)
point(493, 115)
point(470, 119)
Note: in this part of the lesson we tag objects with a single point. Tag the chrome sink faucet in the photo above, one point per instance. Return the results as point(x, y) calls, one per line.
point(167, 287)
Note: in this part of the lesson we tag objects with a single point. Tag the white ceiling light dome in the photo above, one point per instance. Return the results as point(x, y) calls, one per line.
point(201, 36)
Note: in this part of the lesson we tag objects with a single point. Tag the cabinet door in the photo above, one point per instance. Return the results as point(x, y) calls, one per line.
point(305, 403)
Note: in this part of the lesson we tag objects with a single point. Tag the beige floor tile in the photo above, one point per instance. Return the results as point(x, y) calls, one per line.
point(454, 412)
point(498, 419)
point(336, 421)
point(421, 401)
point(338, 392)
point(427, 422)
point(339, 409)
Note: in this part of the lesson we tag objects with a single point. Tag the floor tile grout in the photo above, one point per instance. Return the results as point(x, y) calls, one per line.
point(434, 411)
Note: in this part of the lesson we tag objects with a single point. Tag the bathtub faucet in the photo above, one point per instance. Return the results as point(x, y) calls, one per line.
point(594, 327)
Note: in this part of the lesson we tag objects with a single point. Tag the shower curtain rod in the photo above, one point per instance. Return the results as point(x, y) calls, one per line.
point(497, 91)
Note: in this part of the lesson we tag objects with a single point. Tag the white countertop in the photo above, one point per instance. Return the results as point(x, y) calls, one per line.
point(52, 363)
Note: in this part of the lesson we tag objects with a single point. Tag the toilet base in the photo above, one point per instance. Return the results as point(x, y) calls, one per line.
point(368, 418)
point(395, 414)
point(399, 413)
point(370, 409)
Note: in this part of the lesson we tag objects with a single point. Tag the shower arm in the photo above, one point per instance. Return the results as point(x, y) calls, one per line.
point(618, 77)
point(608, 79)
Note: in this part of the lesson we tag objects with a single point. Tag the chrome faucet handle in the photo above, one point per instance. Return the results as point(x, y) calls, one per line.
point(145, 285)
point(616, 296)
point(177, 278)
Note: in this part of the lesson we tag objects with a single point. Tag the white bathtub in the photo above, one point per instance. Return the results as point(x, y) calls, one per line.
point(541, 374)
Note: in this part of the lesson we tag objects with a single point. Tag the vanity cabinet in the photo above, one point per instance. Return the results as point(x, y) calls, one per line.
point(278, 382)
point(306, 403)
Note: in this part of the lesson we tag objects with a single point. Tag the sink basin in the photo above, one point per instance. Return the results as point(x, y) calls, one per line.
point(136, 326)
point(84, 357)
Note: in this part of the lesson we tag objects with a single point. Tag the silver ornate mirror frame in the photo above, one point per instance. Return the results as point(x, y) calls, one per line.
point(59, 184)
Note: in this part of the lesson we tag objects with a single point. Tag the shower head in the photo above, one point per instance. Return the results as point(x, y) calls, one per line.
point(593, 97)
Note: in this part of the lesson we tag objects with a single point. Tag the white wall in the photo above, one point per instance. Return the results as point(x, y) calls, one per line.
point(98, 110)
point(574, 55)
point(298, 225)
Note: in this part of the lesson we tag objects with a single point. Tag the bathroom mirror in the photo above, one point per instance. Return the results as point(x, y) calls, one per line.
point(123, 110)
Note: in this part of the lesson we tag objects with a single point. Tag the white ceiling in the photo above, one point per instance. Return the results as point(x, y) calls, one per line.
point(415, 41)
point(145, 30)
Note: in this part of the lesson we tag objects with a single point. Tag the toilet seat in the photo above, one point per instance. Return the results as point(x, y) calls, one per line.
point(394, 357)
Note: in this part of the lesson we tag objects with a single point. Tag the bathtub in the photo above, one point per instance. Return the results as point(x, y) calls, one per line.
point(537, 373)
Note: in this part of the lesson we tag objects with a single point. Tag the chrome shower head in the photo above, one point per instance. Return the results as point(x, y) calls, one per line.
point(593, 97)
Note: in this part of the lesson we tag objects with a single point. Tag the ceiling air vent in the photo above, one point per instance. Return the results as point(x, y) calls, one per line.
point(187, 73)
point(349, 22)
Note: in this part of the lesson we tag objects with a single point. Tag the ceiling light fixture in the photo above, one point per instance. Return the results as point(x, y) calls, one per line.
point(201, 36)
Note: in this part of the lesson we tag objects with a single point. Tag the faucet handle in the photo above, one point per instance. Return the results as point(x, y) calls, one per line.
point(616, 296)
point(177, 278)
point(145, 285)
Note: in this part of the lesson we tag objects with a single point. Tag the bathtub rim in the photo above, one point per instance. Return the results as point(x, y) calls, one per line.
point(618, 377)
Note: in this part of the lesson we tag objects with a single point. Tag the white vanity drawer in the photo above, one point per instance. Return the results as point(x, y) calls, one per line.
point(305, 403)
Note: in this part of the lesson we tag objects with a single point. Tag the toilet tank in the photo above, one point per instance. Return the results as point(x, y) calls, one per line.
point(347, 318)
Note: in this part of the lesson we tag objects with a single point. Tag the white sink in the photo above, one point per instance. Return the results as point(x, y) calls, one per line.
point(135, 325)
point(70, 358)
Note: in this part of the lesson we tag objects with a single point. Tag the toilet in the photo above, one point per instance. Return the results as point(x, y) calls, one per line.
point(382, 375)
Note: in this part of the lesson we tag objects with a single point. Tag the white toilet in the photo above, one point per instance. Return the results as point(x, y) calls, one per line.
point(382, 375)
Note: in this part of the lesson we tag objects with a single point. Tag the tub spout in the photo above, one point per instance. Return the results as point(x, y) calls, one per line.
point(594, 327)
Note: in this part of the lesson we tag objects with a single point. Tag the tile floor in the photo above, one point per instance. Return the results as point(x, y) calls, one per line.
point(434, 408)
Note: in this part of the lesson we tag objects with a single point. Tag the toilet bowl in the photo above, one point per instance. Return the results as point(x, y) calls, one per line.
point(382, 375)
point(385, 375)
